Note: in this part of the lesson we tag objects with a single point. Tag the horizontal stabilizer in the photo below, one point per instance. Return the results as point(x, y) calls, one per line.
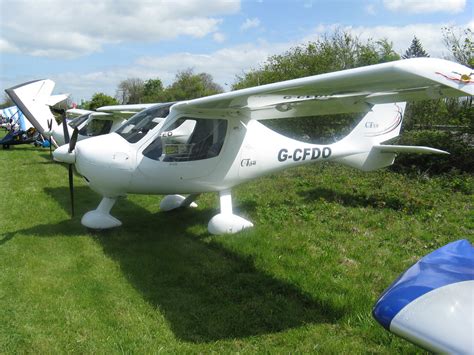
point(55, 99)
point(407, 149)
point(381, 156)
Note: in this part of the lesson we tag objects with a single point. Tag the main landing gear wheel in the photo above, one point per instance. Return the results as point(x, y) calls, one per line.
point(226, 222)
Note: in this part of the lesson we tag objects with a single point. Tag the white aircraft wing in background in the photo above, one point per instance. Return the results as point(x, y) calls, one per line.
point(132, 108)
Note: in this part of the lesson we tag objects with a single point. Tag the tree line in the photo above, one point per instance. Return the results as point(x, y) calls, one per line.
point(187, 85)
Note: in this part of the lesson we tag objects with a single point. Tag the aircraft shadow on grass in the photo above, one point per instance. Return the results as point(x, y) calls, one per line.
point(205, 291)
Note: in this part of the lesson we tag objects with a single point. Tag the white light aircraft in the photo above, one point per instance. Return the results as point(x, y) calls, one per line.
point(214, 143)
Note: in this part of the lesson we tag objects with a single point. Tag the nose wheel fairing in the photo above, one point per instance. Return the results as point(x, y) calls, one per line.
point(172, 202)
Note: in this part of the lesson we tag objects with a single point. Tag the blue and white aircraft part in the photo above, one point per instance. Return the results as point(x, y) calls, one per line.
point(432, 303)
point(14, 113)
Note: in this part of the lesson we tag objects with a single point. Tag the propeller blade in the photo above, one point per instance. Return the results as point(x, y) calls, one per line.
point(71, 189)
point(65, 130)
point(73, 141)
point(50, 126)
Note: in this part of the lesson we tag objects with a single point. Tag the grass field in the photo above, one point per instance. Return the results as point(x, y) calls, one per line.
point(327, 241)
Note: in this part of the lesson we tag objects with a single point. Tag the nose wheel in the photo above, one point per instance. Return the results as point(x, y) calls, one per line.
point(100, 218)
point(172, 202)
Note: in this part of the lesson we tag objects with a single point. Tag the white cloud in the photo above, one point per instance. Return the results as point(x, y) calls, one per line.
point(425, 6)
point(218, 37)
point(250, 23)
point(223, 65)
point(53, 28)
point(7, 47)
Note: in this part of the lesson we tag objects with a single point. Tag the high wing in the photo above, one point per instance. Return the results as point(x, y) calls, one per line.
point(112, 111)
point(132, 108)
point(124, 111)
point(352, 90)
point(76, 112)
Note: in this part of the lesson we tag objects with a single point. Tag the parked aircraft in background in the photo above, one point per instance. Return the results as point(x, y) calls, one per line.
point(35, 99)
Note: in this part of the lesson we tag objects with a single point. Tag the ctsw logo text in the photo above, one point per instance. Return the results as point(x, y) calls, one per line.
point(304, 154)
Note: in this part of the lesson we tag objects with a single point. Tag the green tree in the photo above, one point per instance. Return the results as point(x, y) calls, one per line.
point(337, 51)
point(422, 113)
point(7, 101)
point(461, 44)
point(188, 85)
point(153, 91)
point(99, 99)
point(415, 50)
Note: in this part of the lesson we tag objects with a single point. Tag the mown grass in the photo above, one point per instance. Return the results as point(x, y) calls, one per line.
point(327, 241)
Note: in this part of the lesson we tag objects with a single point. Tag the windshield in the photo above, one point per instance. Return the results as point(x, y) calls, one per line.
point(76, 122)
point(138, 126)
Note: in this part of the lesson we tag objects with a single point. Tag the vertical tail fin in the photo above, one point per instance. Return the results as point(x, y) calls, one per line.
point(382, 123)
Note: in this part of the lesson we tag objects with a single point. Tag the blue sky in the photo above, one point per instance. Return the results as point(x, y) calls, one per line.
point(90, 46)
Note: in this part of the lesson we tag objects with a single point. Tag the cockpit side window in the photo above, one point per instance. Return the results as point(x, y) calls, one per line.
point(96, 127)
point(194, 139)
point(141, 123)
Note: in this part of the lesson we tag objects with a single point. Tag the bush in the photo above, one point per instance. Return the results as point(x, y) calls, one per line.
point(459, 145)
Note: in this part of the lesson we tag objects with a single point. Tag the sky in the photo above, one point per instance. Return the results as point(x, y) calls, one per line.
point(89, 46)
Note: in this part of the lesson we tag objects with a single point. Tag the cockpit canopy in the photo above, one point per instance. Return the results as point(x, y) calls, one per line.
point(178, 140)
point(188, 139)
point(92, 124)
point(138, 125)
